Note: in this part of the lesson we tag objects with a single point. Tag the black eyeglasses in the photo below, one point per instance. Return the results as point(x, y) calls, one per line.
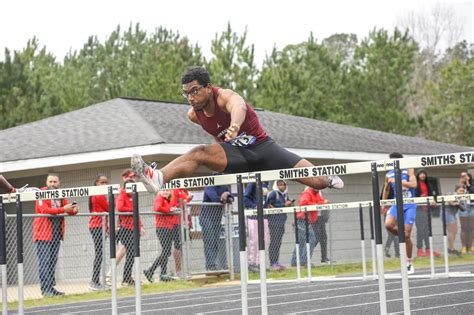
point(194, 91)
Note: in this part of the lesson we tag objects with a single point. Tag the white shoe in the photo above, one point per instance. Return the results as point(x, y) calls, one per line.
point(26, 189)
point(151, 178)
point(335, 182)
point(410, 269)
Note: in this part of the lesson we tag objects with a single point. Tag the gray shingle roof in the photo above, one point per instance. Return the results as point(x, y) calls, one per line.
point(122, 122)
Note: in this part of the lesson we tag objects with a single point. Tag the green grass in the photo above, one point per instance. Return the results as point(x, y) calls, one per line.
point(356, 268)
point(290, 273)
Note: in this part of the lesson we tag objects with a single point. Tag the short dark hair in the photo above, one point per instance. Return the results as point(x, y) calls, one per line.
point(196, 73)
point(395, 155)
point(53, 174)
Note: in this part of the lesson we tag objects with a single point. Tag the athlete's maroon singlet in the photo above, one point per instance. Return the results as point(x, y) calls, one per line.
point(218, 124)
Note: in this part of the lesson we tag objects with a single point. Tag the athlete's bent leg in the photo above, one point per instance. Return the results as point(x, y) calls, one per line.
point(212, 156)
point(391, 224)
point(319, 182)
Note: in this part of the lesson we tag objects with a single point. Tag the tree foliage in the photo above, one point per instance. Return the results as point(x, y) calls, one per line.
point(386, 81)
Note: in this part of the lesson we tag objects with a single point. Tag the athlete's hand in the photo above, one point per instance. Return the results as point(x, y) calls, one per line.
point(232, 132)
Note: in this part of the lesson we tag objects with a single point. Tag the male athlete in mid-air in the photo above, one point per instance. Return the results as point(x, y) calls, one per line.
point(242, 145)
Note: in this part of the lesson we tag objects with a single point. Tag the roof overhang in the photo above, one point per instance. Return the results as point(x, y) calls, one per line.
point(169, 149)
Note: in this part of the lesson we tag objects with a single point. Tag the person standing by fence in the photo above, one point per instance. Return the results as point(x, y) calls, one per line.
point(423, 189)
point(185, 197)
point(48, 232)
point(124, 203)
point(320, 232)
point(310, 196)
point(98, 205)
point(277, 198)
point(167, 231)
point(210, 218)
point(250, 202)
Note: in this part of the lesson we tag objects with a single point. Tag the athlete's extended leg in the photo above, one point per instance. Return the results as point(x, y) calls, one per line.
point(319, 182)
point(212, 156)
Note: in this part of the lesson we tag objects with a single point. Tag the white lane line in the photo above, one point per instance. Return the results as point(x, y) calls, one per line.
point(199, 296)
point(392, 300)
point(170, 298)
point(230, 301)
point(436, 307)
point(342, 296)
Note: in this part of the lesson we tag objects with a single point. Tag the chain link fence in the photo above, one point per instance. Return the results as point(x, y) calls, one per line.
point(171, 245)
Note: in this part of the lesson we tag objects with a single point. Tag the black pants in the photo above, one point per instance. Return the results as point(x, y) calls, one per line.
point(98, 248)
point(422, 232)
point(166, 238)
point(276, 227)
point(322, 236)
point(126, 238)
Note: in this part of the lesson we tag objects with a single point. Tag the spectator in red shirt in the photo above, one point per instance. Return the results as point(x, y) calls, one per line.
point(423, 189)
point(48, 231)
point(124, 203)
point(167, 231)
point(310, 196)
point(121, 250)
point(99, 205)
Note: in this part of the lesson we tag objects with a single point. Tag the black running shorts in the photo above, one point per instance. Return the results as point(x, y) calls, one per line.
point(264, 156)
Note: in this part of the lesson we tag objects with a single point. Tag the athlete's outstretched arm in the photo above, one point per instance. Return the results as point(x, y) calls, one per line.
point(236, 107)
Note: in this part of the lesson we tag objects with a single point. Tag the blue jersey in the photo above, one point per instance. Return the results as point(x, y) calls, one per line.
point(406, 192)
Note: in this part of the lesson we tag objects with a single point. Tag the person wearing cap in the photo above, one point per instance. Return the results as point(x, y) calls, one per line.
point(210, 218)
point(277, 198)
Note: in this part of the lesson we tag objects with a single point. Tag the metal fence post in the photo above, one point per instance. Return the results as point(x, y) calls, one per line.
point(430, 234)
point(445, 237)
point(242, 245)
point(19, 253)
point(372, 241)
point(229, 236)
point(184, 242)
point(378, 239)
point(297, 247)
point(113, 265)
point(362, 242)
point(136, 251)
point(104, 245)
point(261, 246)
point(308, 247)
point(3, 257)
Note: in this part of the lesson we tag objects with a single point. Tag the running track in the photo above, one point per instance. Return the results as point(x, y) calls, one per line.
point(427, 296)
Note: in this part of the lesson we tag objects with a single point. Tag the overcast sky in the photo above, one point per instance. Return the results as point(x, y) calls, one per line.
point(62, 25)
